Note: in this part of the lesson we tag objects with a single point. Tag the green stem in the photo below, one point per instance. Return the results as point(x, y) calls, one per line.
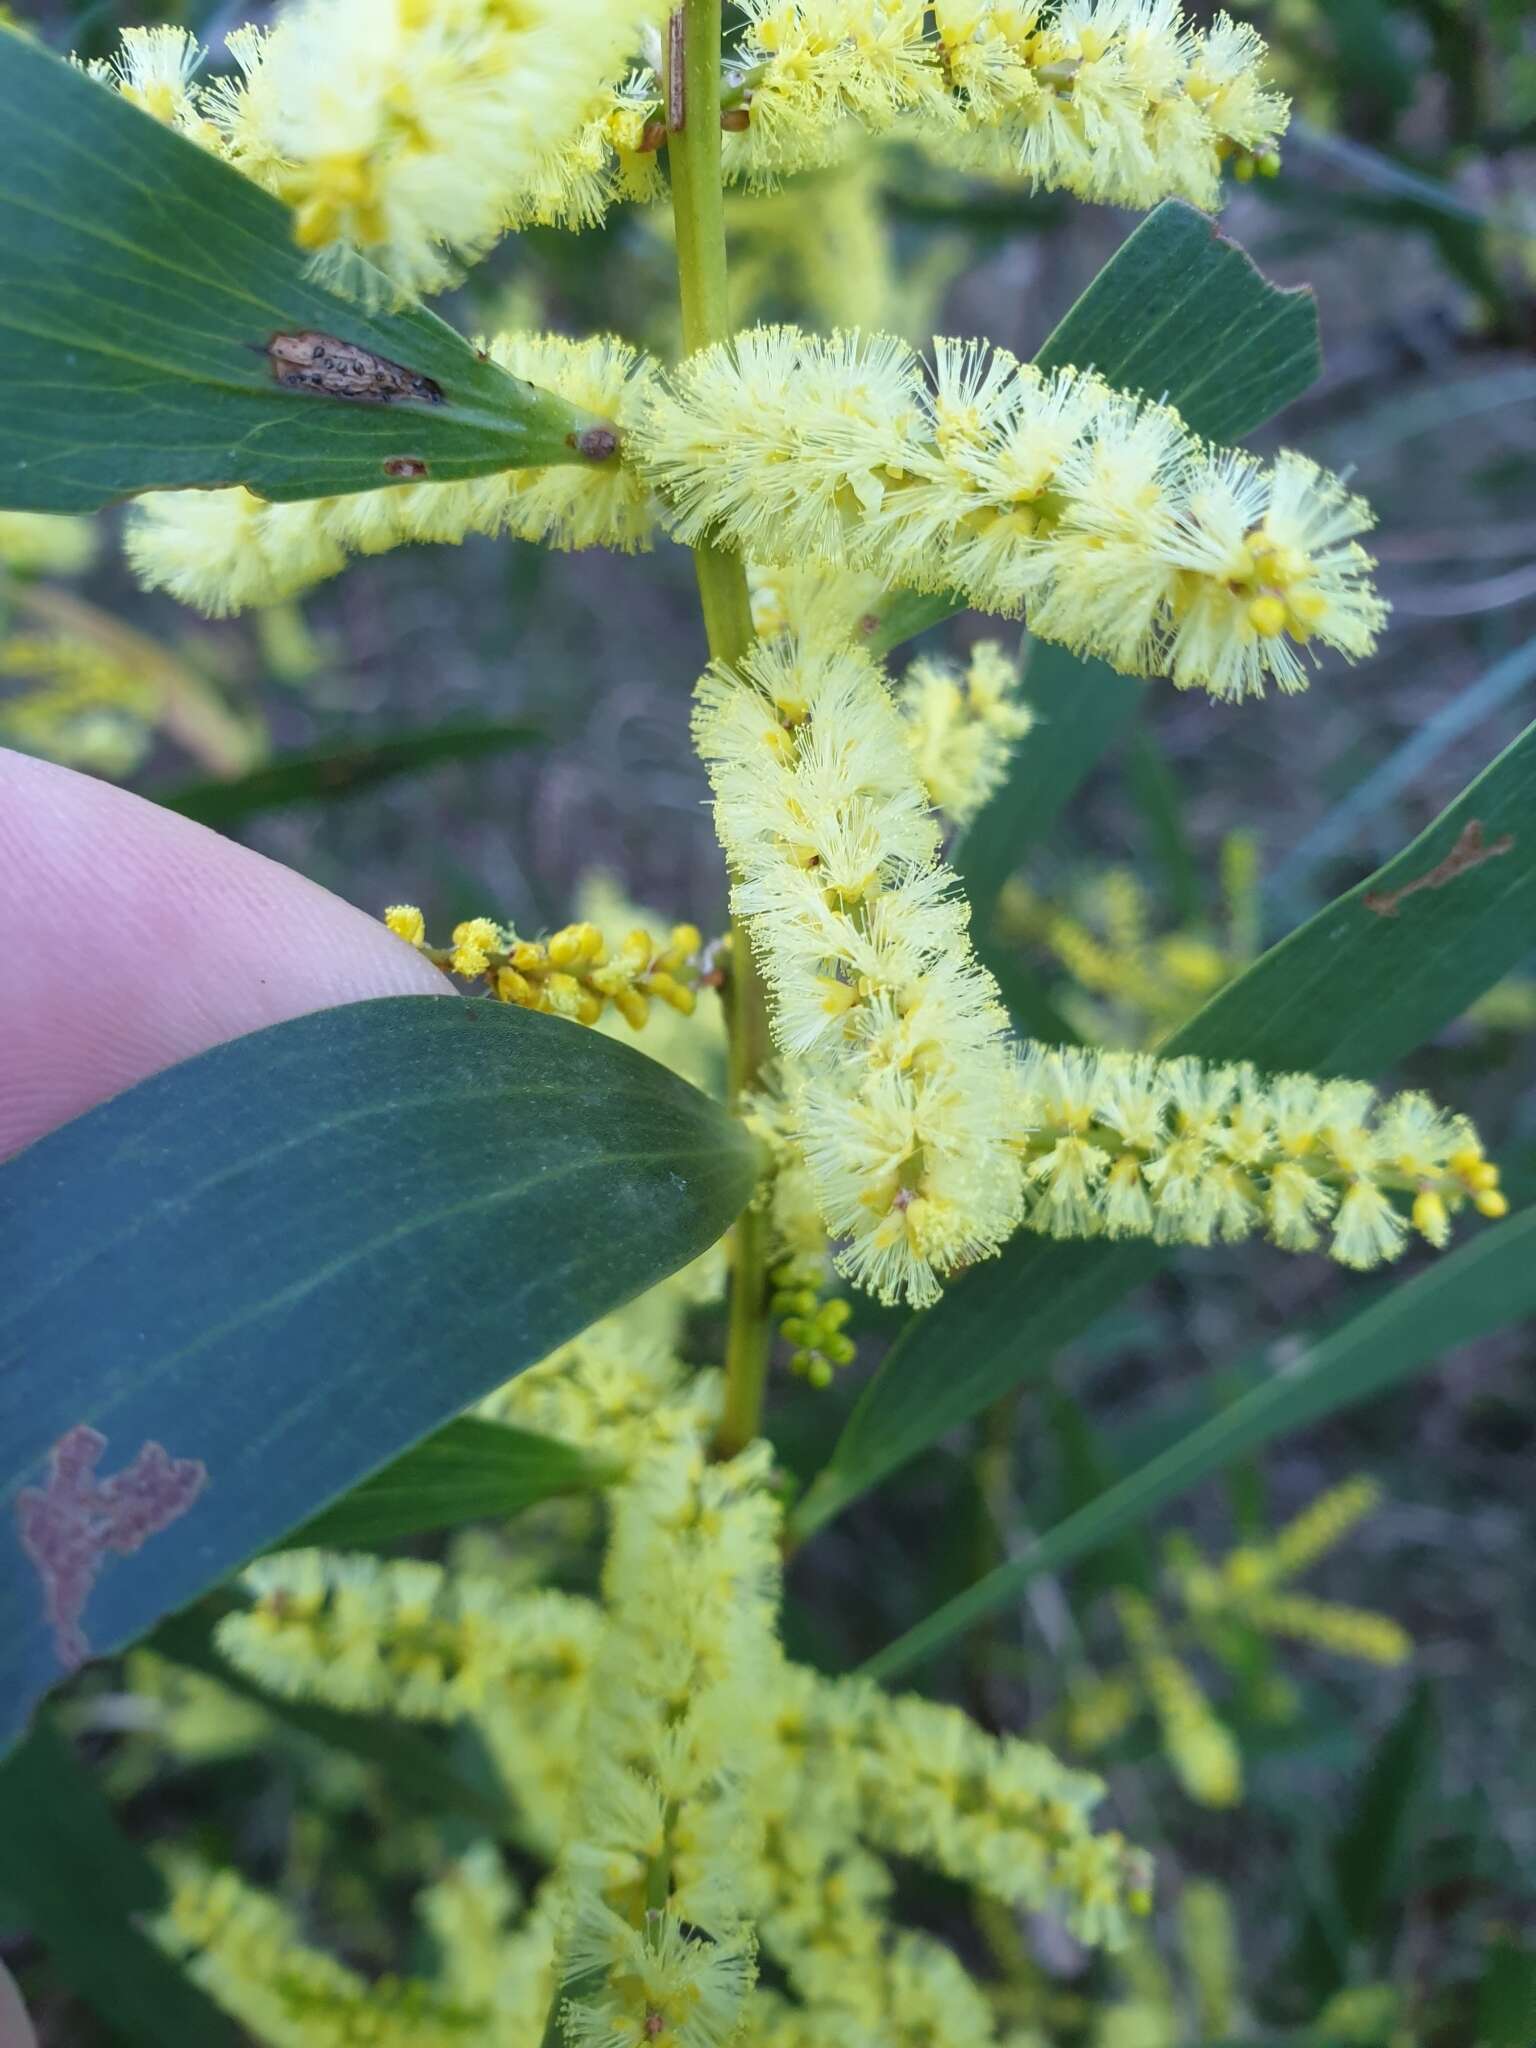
point(693, 159)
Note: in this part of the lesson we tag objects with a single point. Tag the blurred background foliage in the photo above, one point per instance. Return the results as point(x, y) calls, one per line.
point(493, 726)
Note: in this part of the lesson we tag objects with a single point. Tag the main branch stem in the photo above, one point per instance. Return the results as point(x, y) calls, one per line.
point(693, 156)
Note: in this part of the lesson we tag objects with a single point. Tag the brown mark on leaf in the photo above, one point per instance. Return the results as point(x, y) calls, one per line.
point(341, 369)
point(1470, 851)
point(69, 1527)
point(596, 444)
point(410, 466)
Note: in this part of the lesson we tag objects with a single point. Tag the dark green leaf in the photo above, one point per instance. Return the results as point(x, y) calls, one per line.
point(1161, 803)
point(468, 1472)
point(419, 1768)
point(141, 283)
point(333, 771)
point(294, 1256)
point(1487, 1284)
point(1370, 1854)
point(1348, 993)
point(83, 1889)
point(1080, 708)
point(1178, 313)
point(1506, 1997)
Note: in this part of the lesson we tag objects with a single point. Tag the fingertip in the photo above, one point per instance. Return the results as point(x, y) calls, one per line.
point(131, 938)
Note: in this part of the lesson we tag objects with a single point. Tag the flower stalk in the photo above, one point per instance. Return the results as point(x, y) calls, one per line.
point(693, 155)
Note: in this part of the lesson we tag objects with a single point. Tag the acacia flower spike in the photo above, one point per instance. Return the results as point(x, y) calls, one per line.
point(1097, 516)
point(223, 551)
point(928, 1134)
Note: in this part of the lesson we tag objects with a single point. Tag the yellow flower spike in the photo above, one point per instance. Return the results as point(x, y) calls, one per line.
point(512, 987)
point(406, 922)
point(1346, 1631)
point(1491, 1203)
point(1322, 1524)
point(1149, 551)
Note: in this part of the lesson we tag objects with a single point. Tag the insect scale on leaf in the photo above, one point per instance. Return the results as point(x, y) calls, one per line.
point(309, 361)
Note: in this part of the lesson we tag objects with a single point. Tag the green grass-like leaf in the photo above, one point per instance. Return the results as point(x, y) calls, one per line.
point(1484, 1286)
point(470, 1471)
point(323, 773)
point(84, 1890)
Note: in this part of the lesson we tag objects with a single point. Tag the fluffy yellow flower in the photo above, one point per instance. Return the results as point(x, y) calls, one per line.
point(1098, 516)
point(1117, 100)
point(1129, 1146)
point(154, 70)
point(225, 550)
point(246, 1952)
point(896, 1032)
point(416, 134)
point(963, 725)
point(928, 1136)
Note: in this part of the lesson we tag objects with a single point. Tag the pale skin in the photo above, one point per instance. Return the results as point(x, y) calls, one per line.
point(130, 939)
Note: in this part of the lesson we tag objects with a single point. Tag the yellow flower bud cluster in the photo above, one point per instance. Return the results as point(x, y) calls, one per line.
point(811, 1322)
point(1117, 102)
point(1049, 494)
point(223, 551)
point(570, 974)
point(963, 726)
point(245, 1950)
point(414, 134)
point(1123, 1145)
point(402, 1635)
point(799, 1256)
